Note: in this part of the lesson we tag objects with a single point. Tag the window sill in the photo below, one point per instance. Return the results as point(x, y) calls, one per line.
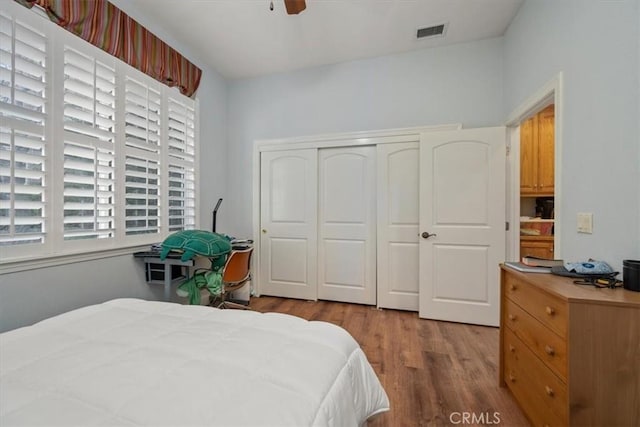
point(52, 261)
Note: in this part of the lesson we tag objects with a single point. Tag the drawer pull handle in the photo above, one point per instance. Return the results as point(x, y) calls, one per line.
point(513, 287)
point(549, 390)
point(550, 311)
point(512, 378)
point(549, 350)
point(512, 349)
point(512, 317)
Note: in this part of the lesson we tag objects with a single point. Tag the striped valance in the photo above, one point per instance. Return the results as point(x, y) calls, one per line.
point(107, 27)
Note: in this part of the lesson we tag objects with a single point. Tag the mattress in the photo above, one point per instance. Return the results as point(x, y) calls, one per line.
point(141, 363)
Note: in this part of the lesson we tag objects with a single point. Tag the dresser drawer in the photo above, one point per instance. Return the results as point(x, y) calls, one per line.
point(543, 342)
point(548, 309)
point(542, 395)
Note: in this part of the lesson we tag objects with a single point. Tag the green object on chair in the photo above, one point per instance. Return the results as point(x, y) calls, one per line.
point(212, 280)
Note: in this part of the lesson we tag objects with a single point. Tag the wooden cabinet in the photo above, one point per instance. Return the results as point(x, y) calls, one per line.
point(537, 246)
point(570, 354)
point(537, 154)
point(546, 150)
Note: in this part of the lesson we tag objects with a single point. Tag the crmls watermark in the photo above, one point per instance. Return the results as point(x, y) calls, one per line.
point(482, 418)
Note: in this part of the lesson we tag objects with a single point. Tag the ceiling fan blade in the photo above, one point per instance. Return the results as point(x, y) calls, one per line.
point(294, 7)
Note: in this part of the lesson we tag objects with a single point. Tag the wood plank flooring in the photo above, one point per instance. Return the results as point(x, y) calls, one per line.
point(432, 371)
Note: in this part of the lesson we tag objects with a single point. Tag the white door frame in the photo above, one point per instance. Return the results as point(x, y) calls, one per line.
point(550, 93)
point(372, 137)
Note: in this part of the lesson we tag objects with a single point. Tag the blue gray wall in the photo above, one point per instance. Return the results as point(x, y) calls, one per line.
point(455, 84)
point(596, 46)
point(29, 296)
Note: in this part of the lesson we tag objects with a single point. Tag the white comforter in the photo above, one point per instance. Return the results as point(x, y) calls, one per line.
point(132, 362)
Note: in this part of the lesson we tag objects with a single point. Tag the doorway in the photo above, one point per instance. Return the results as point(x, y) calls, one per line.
point(533, 196)
point(537, 185)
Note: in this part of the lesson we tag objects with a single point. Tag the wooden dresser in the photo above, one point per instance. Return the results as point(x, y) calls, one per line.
point(570, 354)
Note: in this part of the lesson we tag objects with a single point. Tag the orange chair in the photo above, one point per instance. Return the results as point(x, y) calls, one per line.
point(236, 274)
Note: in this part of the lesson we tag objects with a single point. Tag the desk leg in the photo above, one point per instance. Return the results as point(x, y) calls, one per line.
point(167, 282)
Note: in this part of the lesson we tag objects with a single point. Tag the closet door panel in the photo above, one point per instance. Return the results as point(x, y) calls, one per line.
point(288, 217)
point(347, 233)
point(336, 270)
point(398, 218)
point(462, 216)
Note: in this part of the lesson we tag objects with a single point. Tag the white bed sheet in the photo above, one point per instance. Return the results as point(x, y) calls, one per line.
point(140, 363)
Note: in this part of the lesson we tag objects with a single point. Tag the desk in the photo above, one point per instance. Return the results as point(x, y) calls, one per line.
point(151, 258)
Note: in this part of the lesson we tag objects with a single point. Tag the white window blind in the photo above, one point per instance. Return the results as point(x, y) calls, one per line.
point(94, 155)
point(143, 105)
point(23, 98)
point(89, 147)
point(181, 163)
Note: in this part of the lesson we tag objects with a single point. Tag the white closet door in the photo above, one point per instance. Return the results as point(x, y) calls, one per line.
point(347, 227)
point(288, 239)
point(462, 223)
point(398, 220)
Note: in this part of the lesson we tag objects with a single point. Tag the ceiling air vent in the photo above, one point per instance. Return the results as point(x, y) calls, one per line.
point(432, 31)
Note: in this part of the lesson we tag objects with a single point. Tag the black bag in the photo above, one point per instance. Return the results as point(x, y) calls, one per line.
point(601, 280)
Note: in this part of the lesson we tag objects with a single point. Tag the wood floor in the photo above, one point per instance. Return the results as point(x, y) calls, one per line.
point(432, 371)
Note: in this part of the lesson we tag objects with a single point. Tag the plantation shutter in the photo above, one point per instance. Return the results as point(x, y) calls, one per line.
point(142, 156)
point(94, 155)
point(181, 163)
point(89, 148)
point(23, 100)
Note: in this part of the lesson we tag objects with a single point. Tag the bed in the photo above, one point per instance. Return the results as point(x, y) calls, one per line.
point(132, 362)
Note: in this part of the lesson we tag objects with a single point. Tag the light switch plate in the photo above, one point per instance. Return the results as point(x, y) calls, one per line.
point(585, 223)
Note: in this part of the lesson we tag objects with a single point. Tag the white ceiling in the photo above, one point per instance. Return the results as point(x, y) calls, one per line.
point(243, 38)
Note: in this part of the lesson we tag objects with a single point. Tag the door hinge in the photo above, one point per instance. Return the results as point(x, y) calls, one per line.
point(506, 225)
point(508, 150)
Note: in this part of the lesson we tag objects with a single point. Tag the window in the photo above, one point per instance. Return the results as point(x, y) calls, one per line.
point(142, 162)
point(89, 147)
point(23, 98)
point(94, 154)
point(181, 152)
